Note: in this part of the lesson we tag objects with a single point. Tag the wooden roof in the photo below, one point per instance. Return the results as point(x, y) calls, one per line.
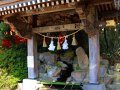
point(10, 2)
point(40, 13)
point(105, 8)
point(30, 5)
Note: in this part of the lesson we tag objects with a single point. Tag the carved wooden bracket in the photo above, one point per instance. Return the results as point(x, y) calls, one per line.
point(23, 27)
point(88, 19)
point(82, 14)
point(91, 30)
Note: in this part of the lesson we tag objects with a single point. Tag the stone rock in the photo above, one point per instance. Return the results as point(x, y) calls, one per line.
point(103, 67)
point(82, 58)
point(51, 72)
point(103, 71)
point(57, 73)
point(67, 56)
point(117, 77)
point(113, 87)
point(78, 76)
point(48, 58)
point(42, 68)
point(45, 77)
point(117, 67)
point(76, 66)
point(61, 64)
point(108, 80)
point(80, 66)
point(104, 62)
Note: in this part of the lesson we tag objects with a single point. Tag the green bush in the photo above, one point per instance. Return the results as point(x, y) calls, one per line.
point(4, 28)
point(13, 66)
point(110, 43)
point(7, 82)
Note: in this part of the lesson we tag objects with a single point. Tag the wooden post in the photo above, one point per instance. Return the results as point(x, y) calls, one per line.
point(88, 18)
point(94, 59)
point(32, 58)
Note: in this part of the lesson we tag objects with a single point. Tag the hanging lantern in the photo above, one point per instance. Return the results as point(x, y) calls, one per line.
point(74, 42)
point(65, 44)
point(58, 45)
point(51, 46)
point(44, 43)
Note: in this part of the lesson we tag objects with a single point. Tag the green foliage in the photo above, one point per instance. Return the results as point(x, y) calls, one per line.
point(7, 82)
point(110, 43)
point(13, 63)
point(4, 28)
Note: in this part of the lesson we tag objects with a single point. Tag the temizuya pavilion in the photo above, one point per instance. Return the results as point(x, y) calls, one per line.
point(92, 13)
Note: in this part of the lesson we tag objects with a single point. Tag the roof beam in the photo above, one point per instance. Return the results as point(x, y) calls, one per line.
point(50, 9)
point(58, 28)
point(62, 7)
point(99, 2)
point(110, 14)
point(54, 8)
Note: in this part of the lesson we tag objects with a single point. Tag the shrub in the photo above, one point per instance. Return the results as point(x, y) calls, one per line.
point(13, 65)
point(110, 43)
point(7, 82)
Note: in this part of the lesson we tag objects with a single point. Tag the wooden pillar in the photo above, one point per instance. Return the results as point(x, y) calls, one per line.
point(88, 18)
point(94, 59)
point(32, 58)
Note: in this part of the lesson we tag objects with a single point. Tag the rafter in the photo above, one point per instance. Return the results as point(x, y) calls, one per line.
point(57, 8)
point(44, 10)
point(110, 14)
point(54, 8)
point(9, 2)
point(99, 2)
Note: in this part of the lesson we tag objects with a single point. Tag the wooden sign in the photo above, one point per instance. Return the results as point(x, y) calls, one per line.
point(58, 28)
